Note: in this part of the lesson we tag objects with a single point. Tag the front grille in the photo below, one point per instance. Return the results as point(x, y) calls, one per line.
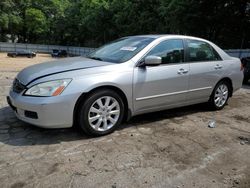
point(18, 87)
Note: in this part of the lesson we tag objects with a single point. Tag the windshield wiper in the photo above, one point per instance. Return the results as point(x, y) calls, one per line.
point(96, 58)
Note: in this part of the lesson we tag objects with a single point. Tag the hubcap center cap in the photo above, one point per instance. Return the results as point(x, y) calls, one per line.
point(104, 113)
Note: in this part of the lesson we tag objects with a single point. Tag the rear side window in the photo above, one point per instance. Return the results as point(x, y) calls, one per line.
point(171, 51)
point(201, 51)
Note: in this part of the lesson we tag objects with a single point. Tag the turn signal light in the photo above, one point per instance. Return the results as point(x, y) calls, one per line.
point(58, 91)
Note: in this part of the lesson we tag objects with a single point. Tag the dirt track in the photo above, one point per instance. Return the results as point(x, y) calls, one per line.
point(173, 148)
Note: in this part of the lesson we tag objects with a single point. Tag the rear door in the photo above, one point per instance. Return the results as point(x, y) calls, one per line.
point(206, 69)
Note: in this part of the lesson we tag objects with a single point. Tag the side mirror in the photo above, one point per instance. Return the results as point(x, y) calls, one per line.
point(152, 60)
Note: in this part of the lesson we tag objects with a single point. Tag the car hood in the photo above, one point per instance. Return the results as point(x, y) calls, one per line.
point(35, 72)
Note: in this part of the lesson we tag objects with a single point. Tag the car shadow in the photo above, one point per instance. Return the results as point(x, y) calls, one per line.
point(17, 133)
point(166, 114)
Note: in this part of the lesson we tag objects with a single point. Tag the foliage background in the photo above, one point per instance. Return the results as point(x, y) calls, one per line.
point(94, 22)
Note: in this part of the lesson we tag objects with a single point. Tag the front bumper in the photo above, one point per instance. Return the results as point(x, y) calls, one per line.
point(46, 112)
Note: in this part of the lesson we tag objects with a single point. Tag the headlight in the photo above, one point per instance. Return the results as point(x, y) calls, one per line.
point(46, 89)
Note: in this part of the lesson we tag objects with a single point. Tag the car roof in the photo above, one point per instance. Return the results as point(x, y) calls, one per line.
point(155, 36)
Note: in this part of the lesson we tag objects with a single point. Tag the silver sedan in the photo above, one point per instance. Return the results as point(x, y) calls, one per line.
point(130, 76)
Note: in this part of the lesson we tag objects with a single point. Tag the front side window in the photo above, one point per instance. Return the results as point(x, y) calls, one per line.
point(171, 51)
point(200, 51)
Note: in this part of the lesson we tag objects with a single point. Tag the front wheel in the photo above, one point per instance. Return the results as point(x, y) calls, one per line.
point(220, 95)
point(101, 113)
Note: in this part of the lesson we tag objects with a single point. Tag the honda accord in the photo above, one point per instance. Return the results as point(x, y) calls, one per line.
point(130, 76)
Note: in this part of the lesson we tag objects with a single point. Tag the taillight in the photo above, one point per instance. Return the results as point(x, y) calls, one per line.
point(241, 67)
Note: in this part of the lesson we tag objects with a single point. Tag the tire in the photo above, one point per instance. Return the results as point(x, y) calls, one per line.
point(220, 95)
point(95, 120)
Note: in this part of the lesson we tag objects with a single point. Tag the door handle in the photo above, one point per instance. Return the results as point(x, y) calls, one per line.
point(218, 66)
point(182, 71)
point(185, 71)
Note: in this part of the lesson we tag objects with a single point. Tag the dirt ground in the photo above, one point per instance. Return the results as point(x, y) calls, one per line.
point(173, 148)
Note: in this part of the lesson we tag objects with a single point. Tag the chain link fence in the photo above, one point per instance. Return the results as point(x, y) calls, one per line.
point(42, 48)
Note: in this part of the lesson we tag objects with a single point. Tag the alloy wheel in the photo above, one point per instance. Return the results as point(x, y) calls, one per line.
point(104, 113)
point(221, 95)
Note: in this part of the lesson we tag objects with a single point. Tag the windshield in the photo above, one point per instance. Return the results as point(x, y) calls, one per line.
point(121, 50)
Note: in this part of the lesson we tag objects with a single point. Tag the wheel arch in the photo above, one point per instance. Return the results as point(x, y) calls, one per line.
point(83, 96)
point(229, 81)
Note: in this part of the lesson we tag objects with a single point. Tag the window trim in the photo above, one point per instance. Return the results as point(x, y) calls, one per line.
point(138, 63)
point(210, 46)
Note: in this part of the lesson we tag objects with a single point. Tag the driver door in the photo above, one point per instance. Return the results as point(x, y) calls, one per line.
point(165, 85)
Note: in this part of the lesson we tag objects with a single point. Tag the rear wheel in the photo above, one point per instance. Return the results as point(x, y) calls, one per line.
point(101, 113)
point(220, 95)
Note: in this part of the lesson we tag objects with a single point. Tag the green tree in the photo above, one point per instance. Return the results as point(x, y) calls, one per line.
point(94, 22)
point(10, 21)
point(35, 22)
